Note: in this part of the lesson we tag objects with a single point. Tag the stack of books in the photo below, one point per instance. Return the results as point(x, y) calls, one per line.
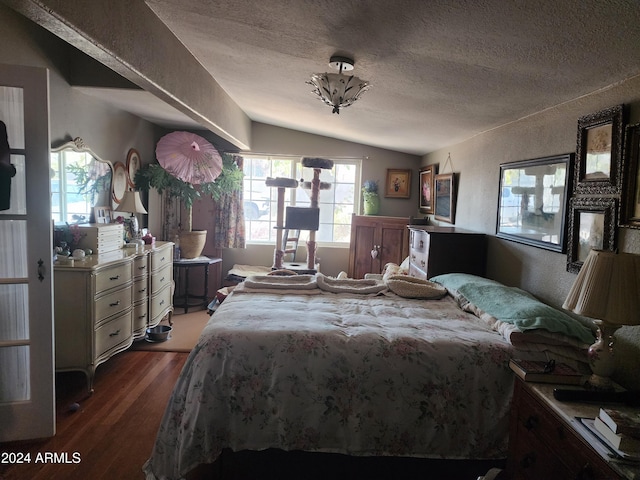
point(620, 429)
point(546, 372)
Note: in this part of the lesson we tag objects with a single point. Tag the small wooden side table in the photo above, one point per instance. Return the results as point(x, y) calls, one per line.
point(183, 296)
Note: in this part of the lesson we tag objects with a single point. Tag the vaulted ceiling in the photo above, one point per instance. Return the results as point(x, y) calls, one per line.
point(440, 71)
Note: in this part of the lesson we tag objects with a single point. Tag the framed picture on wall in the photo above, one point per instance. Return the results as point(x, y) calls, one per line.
point(599, 153)
point(398, 184)
point(630, 205)
point(133, 165)
point(532, 201)
point(427, 197)
point(445, 197)
point(592, 225)
point(119, 181)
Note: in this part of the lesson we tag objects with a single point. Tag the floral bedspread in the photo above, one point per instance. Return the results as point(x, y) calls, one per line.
point(348, 373)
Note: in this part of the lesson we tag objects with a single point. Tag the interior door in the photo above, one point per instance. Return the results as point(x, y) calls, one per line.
point(27, 400)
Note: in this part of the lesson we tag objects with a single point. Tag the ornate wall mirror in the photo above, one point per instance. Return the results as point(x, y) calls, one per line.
point(80, 181)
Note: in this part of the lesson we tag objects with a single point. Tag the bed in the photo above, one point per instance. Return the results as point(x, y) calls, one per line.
point(314, 364)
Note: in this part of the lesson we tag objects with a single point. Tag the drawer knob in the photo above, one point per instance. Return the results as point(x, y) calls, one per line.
point(114, 278)
point(142, 316)
point(114, 304)
point(528, 460)
point(142, 267)
point(531, 422)
point(161, 302)
point(421, 243)
point(422, 262)
point(115, 334)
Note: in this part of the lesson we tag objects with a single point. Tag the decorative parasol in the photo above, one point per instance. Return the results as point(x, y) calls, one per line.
point(189, 157)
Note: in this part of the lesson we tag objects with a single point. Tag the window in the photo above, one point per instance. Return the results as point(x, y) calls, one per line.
point(337, 204)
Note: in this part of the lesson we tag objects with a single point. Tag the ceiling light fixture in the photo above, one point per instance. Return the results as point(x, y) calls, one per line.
point(335, 89)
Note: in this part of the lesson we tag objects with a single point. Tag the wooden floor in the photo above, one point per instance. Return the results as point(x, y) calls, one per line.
point(114, 429)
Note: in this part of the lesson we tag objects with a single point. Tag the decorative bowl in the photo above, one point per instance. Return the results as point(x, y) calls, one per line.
point(159, 333)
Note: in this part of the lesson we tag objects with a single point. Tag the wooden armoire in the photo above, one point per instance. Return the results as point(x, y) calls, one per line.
point(376, 241)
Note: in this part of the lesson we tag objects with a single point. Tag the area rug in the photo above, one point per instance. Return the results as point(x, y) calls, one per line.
point(186, 331)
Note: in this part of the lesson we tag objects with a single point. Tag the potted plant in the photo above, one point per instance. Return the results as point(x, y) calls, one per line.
point(371, 200)
point(153, 175)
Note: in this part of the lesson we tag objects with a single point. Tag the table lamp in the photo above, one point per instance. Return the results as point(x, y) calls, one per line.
point(607, 290)
point(132, 203)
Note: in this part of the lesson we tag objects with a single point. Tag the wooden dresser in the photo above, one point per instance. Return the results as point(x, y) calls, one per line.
point(546, 441)
point(437, 250)
point(103, 302)
point(376, 241)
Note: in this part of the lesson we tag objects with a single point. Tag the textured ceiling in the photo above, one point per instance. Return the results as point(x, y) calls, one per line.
point(441, 71)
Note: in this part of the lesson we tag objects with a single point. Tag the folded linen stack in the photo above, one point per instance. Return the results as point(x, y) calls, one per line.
point(292, 282)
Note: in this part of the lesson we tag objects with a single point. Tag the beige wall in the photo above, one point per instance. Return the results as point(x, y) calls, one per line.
point(551, 132)
point(108, 131)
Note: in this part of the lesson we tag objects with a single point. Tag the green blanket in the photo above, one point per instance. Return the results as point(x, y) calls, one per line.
point(513, 305)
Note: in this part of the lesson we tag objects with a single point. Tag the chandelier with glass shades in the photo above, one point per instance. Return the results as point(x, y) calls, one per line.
point(336, 89)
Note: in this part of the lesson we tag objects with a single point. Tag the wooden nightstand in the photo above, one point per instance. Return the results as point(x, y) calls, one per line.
point(546, 440)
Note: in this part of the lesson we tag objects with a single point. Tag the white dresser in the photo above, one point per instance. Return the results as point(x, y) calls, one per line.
point(161, 283)
point(104, 302)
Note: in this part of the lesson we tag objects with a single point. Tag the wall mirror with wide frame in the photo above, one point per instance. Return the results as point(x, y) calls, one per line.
point(532, 205)
point(80, 181)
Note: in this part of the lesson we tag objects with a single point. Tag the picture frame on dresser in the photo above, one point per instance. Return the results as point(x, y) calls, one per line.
point(630, 204)
point(599, 153)
point(102, 214)
point(426, 182)
point(533, 201)
point(445, 197)
point(398, 184)
point(592, 225)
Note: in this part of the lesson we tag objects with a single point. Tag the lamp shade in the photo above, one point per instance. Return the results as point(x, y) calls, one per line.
point(337, 90)
point(131, 202)
point(607, 288)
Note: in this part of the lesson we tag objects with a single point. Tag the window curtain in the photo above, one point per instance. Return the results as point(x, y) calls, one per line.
point(230, 230)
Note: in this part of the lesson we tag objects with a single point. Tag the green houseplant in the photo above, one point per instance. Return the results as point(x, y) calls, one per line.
point(371, 200)
point(154, 176)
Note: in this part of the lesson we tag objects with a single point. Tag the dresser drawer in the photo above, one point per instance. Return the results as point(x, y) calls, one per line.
point(140, 317)
point(112, 277)
point(416, 272)
point(161, 257)
point(535, 460)
point(418, 258)
point(419, 241)
point(140, 289)
point(160, 304)
point(113, 333)
point(162, 277)
point(112, 304)
point(140, 266)
point(547, 448)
